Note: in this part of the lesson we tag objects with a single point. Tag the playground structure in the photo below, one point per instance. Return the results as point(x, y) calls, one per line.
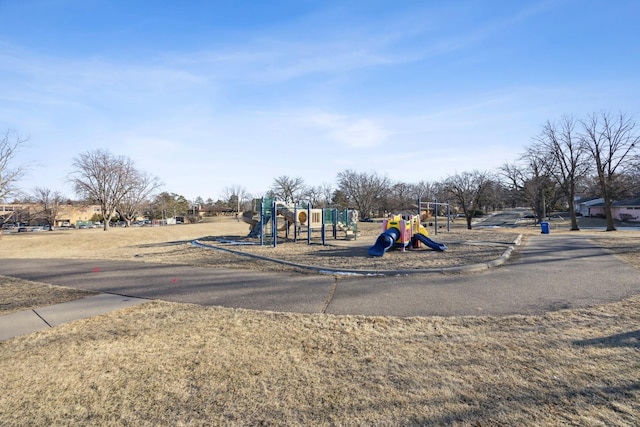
point(401, 233)
point(435, 206)
point(270, 216)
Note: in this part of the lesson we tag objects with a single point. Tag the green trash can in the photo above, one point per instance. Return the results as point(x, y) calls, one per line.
point(544, 227)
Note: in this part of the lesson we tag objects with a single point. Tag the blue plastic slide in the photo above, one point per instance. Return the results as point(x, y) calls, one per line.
point(430, 243)
point(384, 242)
point(257, 229)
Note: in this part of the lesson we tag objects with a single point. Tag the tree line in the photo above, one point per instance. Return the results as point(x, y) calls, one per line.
point(592, 157)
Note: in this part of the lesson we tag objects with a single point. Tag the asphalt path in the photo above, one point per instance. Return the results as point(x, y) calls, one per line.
point(549, 272)
point(501, 219)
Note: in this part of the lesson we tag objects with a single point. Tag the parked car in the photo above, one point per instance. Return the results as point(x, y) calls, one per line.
point(22, 229)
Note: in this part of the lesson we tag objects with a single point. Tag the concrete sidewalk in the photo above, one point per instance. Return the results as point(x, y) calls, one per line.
point(37, 319)
point(551, 272)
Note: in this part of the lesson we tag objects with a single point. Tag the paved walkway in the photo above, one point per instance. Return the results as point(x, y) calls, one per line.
point(27, 321)
point(550, 272)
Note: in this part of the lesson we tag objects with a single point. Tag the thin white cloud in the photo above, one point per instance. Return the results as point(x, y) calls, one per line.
point(347, 131)
point(366, 92)
point(310, 48)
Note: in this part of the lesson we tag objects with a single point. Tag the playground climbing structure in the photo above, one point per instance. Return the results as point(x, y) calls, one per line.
point(269, 216)
point(402, 233)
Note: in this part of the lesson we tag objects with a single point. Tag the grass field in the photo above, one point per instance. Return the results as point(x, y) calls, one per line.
point(176, 364)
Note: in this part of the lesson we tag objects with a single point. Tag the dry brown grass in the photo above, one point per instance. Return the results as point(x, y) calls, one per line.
point(173, 245)
point(17, 295)
point(117, 243)
point(625, 245)
point(177, 364)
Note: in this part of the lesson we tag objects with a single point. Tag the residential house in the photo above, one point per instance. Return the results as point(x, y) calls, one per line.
point(627, 210)
point(590, 207)
point(30, 213)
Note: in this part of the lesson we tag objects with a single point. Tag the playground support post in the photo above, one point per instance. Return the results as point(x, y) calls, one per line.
point(286, 228)
point(261, 222)
point(435, 216)
point(308, 223)
point(322, 230)
point(274, 224)
point(295, 223)
point(435, 212)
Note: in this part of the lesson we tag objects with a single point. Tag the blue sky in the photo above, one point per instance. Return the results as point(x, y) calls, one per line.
point(213, 94)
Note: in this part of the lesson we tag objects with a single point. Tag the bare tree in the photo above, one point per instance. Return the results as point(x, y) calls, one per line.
point(103, 178)
point(562, 145)
point(365, 190)
point(401, 197)
point(132, 203)
point(424, 190)
point(50, 203)
point(326, 193)
point(235, 196)
point(469, 189)
point(169, 205)
point(515, 179)
point(288, 189)
point(10, 144)
point(495, 196)
point(313, 195)
point(612, 143)
point(530, 181)
point(339, 199)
